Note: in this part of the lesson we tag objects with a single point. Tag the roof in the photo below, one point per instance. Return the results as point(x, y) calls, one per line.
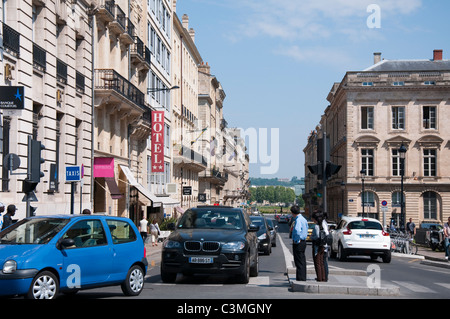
point(410, 65)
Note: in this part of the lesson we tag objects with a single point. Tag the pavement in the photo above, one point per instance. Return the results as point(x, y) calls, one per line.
point(357, 282)
point(340, 281)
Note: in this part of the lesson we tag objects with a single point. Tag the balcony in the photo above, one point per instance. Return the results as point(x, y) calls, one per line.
point(11, 40)
point(214, 176)
point(187, 157)
point(116, 87)
point(106, 11)
point(119, 23)
point(127, 37)
point(140, 55)
point(39, 58)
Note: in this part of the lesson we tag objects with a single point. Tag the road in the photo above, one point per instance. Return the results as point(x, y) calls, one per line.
point(414, 279)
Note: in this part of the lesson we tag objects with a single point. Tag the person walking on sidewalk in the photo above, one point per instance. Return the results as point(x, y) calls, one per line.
point(143, 228)
point(447, 239)
point(318, 248)
point(154, 231)
point(299, 233)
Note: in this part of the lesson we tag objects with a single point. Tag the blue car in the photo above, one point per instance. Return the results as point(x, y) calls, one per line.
point(41, 256)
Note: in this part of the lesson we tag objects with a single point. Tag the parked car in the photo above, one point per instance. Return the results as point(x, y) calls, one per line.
point(273, 231)
point(283, 219)
point(211, 240)
point(41, 256)
point(264, 238)
point(361, 236)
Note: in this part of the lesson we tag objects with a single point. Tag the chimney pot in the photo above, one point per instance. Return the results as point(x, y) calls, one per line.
point(376, 57)
point(437, 55)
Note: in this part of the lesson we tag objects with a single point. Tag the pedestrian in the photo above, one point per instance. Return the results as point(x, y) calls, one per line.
point(10, 212)
point(143, 228)
point(154, 231)
point(318, 248)
point(411, 228)
point(447, 239)
point(2, 210)
point(86, 211)
point(299, 233)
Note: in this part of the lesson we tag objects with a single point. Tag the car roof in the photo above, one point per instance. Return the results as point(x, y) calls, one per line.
point(78, 216)
point(352, 218)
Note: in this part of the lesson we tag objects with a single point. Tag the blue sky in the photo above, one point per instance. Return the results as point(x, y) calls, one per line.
point(278, 59)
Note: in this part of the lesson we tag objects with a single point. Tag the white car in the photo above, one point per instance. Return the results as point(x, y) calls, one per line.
point(361, 236)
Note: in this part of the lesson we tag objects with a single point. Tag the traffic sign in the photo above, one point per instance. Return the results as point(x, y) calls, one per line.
point(384, 203)
point(73, 173)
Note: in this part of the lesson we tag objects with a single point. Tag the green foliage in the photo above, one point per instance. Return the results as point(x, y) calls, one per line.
point(167, 221)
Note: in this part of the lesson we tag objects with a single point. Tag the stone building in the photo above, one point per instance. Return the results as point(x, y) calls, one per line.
point(371, 114)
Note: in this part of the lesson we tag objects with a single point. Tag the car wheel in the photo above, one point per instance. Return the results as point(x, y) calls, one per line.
point(134, 283)
point(244, 278)
point(387, 257)
point(44, 286)
point(254, 270)
point(342, 256)
point(168, 277)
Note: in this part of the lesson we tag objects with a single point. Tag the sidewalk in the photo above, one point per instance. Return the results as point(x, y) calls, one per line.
point(433, 258)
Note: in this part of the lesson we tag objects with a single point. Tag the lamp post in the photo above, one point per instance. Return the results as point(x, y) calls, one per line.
point(152, 90)
point(402, 153)
point(363, 175)
point(343, 189)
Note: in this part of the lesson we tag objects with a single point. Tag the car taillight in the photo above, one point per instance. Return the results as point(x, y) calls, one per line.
point(347, 232)
point(145, 252)
point(384, 233)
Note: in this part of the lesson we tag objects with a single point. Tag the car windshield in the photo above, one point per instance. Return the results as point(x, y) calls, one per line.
point(362, 224)
point(215, 218)
point(33, 231)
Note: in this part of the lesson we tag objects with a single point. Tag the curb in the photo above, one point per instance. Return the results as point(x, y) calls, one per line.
point(436, 263)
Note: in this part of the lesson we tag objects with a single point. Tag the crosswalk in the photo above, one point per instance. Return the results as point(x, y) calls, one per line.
point(407, 287)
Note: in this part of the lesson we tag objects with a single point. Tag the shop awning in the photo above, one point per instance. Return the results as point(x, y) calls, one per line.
point(168, 201)
point(113, 188)
point(156, 202)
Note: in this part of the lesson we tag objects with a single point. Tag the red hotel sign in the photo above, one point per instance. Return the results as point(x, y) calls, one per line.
point(158, 141)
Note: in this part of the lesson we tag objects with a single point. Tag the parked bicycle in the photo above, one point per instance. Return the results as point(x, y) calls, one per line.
point(403, 243)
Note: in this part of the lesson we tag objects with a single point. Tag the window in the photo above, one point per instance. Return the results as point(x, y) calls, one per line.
point(367, 118)
point(367, 161)
point(396, 199)
point(429, 162)
point(398, 117)
point(396, 165)
point(429, 117)
point(369, 199)
point(429, 205)
point(121, 231)
point(86, 233)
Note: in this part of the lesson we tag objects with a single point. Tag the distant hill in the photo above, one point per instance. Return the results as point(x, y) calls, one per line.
point(256, 181)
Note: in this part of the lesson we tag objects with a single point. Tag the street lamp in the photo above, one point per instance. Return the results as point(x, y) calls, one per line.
point(402, 153)
point(363, 175)
point(152, 90)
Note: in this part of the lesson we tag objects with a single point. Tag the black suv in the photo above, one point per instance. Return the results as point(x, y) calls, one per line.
point(211, 240)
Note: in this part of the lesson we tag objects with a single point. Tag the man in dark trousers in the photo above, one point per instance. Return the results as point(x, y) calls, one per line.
point(10, 212)
point(299, 233)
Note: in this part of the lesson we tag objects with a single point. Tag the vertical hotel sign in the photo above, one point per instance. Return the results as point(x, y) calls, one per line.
point(157, 141)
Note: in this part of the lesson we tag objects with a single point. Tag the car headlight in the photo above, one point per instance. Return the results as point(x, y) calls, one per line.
point(263, 236)
point(9, 267)
point(171, 244)
point(234, 245)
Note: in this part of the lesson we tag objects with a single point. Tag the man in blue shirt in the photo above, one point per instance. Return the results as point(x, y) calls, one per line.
point(299, 233)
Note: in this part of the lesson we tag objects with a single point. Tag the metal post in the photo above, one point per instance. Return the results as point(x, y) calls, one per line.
point(324, 172)
point(28, 210)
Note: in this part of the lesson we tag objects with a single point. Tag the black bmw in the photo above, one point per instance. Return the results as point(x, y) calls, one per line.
point(211, 240)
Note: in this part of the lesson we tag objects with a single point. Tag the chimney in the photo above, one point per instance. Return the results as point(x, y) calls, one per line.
point(437, 55)
point(376, 57)
point(185, 21)
point(192, 34)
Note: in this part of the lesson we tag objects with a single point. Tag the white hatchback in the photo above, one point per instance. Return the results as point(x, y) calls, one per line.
point(361, 236)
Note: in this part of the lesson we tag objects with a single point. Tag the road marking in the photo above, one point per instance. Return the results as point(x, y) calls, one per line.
point(288, 257)
point(414, 287)
point(259, 281)
point(443, 285)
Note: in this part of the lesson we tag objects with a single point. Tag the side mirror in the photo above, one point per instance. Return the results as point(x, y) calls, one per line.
point(64, 243)
point(253, 228)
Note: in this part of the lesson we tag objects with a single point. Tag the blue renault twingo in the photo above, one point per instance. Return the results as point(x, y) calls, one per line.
point(43, 255)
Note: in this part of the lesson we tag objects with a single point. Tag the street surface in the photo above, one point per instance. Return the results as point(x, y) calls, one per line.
point(414, 279)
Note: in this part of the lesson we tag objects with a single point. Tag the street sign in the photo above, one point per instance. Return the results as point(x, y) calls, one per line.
point(202, 197)
point(384, 209)
point(11, 162)
point(187, 190)
point(384, 203)
point(73, 173)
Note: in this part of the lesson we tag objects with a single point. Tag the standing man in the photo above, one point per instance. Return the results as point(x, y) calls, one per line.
point(299, 233)
point(10, 212)
point(447, 238)
point(411, 228)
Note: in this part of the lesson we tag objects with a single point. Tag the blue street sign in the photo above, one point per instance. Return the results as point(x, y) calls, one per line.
point(73, 173)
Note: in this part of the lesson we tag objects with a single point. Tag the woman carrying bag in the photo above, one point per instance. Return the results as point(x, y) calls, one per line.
point(319, 246)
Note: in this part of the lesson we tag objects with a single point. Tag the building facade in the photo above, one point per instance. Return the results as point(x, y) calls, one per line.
point(373, 113)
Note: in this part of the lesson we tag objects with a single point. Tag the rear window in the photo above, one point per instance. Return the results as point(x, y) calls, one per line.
point(361, 224)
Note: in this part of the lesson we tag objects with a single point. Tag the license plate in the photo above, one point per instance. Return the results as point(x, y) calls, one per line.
point(201, 260)
point(366, 236)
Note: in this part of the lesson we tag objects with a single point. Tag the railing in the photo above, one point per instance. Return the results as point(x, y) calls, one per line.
point(39, 57)
point(130, 28)
point(111, 80)
point(120, 17)
point(193, 155)
point(11, 39)
point(147, 55)
point(138, 47)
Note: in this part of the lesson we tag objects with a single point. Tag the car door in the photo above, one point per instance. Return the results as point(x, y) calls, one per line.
point(337, 234)
point(89, 260)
